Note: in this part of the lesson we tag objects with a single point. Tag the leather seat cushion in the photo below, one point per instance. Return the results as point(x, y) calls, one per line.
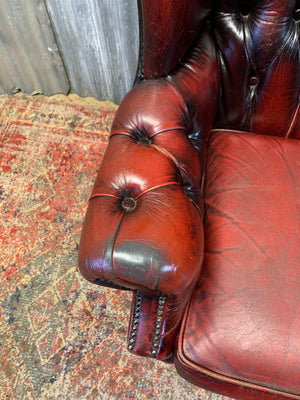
point(242, 329)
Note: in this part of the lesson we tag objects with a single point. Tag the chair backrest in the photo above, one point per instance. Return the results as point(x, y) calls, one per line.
point(257, 45)
point(258, 50)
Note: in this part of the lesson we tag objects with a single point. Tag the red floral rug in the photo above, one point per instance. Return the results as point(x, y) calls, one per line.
point(61, 337)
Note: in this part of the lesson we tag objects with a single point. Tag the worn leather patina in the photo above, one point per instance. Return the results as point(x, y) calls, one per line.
point(196, 204)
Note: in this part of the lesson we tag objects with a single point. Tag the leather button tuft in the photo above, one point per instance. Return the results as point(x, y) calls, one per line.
point(129, 204)
point(144, 141)
point(253, 81)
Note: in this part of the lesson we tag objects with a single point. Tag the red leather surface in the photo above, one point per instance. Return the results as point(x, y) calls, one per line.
point(243, 325)
point(241, 72)
point(257, 46)
point(168, 29)
point(149, 248)
point(153, 160)
point(258, 53)
point(149, 325)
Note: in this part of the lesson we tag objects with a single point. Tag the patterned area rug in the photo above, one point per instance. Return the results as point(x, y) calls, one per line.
point(61, 337)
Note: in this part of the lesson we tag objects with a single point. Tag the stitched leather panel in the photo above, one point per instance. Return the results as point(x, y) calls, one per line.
point(244, 319)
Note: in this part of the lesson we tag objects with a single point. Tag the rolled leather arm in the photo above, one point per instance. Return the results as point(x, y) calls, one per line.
point(143, 228)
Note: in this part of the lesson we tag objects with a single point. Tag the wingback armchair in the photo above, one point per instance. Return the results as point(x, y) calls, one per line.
point(196, 207)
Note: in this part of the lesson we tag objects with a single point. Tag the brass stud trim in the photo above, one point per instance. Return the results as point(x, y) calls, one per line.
point(135, 321)
point(158, 325)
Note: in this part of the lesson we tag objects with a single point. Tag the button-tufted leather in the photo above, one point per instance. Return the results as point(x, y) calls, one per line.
point(228, 65)
point(258, 52)
point(153, 158)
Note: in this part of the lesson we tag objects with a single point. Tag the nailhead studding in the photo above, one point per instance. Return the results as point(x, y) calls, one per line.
point(135, 322)
point(158, 323)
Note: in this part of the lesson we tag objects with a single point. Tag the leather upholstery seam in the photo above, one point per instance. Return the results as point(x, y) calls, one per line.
point(174, 183)
point(103, 195)
point(173, 128)
point(112, 247)
point(158, 187)
point(231, 380)
point(294, 119)
point(171, 157)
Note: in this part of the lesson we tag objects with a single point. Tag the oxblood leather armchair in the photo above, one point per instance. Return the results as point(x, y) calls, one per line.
point(196, 207)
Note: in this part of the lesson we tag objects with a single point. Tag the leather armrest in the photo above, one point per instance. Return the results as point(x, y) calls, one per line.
point(143, 231)
point(143, 228)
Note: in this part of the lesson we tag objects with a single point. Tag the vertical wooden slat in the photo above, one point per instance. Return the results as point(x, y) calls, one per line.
point(98, 40)
point(29, 56)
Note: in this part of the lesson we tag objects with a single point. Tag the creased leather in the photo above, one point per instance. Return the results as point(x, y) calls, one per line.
point(244, 319)
point(168, 29)
point(153, 160)
point(240, 72)
point(258, 52)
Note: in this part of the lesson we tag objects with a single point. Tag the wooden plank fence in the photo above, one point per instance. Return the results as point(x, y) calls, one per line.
point(88, 47)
